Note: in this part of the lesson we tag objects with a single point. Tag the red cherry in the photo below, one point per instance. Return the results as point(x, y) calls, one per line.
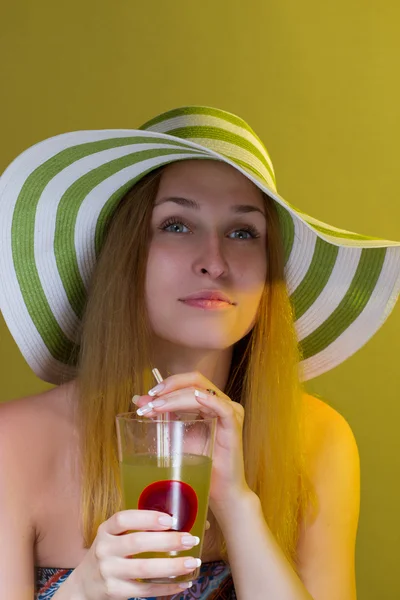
point(174, 498)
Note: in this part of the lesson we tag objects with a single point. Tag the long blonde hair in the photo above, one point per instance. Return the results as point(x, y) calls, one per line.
point(114, 363)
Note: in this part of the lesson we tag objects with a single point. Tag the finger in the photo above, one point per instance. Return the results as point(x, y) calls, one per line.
point(224, 409)
point(141, 401)
point(182, 400)
point(174, 406)
point(194, 400)
point(137, 520)
point(145, 568)
point(179, 381)
point(131, 544)
point(207, 525)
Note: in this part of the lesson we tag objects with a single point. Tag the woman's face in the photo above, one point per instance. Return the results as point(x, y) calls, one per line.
point(208, 232)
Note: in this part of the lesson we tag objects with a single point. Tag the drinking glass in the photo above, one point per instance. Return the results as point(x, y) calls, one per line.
point(165, 465)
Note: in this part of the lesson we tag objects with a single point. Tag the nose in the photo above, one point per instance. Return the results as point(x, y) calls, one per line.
point(211, 258)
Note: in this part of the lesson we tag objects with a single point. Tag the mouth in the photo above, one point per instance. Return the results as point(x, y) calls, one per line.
point(209, 295)
point(207, 304)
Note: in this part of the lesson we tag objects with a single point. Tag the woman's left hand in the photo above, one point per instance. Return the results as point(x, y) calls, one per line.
point(228, 480)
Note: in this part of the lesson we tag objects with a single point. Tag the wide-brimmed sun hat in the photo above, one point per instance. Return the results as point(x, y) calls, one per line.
point(57, 197)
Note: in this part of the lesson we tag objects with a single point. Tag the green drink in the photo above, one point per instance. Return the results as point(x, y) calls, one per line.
point(165, 492)
point(176, 482)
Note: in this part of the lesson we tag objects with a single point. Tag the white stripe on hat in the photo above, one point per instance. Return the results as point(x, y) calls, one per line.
point(365, 325)
point(301, 255)
point(356, 243)
point(374, 243)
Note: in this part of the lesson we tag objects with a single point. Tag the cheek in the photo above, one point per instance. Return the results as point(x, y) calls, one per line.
point(251, 288)
point(165, 273)
point(251, 274)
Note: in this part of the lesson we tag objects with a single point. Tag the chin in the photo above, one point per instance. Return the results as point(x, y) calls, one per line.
point(205, 338)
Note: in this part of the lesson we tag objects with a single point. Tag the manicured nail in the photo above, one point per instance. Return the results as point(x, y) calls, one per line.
point(200, 394)
point(185, 585)
point(156, 390)
point(156, 403)
point(190, 540)
point(168, 521)
point(192, 563)
point(135, 399)
point(144, 410)
point(147, 408)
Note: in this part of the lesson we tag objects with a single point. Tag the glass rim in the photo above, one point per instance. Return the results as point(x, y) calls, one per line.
point(133, 416)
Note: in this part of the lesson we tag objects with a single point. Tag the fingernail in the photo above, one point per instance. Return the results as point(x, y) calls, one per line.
point(200, 394)
point(185, 585)
point(168, 521)
point(190, 540)
point(144, 410)
point(155, 390)
point(192, 563)
point(156, 403)
point(149, 407)
point(135, 399)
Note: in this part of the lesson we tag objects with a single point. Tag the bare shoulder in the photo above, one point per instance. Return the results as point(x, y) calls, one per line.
point(28, 428)
point(34, 413)
point(37, 406)
point(326, 547)
point(327, 432)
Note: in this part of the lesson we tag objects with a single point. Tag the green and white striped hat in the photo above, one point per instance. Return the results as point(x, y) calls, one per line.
point(57, 197)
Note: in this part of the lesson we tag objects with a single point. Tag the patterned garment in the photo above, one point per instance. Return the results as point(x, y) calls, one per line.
point(214, 583)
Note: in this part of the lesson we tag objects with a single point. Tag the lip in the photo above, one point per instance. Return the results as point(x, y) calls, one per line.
point(207, 304)
point(210, 295)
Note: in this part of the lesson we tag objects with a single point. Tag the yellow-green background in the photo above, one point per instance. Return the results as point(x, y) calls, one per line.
point(318, 81)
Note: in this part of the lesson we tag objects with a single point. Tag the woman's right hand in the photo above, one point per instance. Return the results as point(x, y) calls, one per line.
point(106, 572)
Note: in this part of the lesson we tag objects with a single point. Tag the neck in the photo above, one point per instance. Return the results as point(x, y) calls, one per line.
point(171, 359)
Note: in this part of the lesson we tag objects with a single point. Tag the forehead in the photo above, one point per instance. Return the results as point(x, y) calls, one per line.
point(207, 178)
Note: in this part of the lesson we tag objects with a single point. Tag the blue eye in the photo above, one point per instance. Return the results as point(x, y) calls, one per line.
point(249, 229)
point(170, 223)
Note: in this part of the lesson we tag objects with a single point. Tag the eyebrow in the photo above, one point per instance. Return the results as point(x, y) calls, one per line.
point(187, 203)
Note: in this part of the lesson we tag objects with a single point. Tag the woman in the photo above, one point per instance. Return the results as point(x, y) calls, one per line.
point(110, 234)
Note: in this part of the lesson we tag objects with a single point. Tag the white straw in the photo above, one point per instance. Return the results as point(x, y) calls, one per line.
point(164, 452)
point(162, 431)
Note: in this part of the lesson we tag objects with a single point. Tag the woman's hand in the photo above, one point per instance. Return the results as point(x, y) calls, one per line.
point(107, 572)
point(181, 393)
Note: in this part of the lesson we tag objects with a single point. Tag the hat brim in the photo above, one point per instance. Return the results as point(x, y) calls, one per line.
point(56, 198)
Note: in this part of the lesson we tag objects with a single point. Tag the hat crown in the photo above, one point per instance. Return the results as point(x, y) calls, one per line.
point(220, 131)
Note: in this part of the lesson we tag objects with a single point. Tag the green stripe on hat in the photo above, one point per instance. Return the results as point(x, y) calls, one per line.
point(351, 306)
point(317, 276)
point(287, 229)
point(109, 208)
